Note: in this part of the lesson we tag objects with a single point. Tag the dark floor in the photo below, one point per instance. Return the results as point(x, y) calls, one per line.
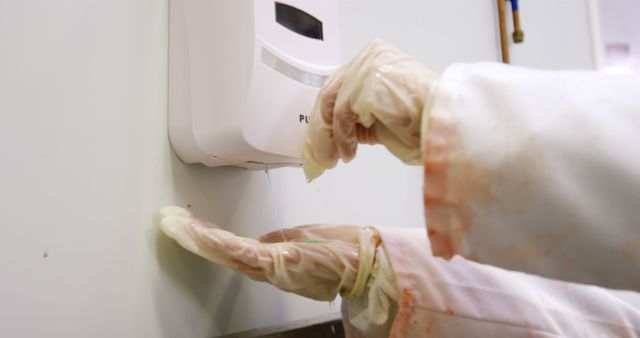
point(322, 328)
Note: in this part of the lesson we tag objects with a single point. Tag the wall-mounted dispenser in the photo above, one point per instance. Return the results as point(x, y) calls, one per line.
point(243, 77)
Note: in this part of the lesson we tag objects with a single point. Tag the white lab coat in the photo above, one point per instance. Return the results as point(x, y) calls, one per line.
point(462, 298)
point(536, 171)
point(530, 171)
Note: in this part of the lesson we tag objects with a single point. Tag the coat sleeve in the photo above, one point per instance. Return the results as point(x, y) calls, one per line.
point(536, 171)
point(461, 298)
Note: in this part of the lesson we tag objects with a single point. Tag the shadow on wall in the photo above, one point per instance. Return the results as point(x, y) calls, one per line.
point(209, 286)
point(212, 193)
point(193, 295)
point(212, 288)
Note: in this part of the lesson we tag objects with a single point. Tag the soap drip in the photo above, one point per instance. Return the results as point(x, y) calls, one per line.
point(274, 203)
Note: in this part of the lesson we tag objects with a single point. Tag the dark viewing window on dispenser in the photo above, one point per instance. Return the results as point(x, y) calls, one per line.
point(299, 21)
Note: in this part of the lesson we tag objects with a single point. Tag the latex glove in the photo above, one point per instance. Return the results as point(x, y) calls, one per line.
point(317, 261)
point(376, 98)
point(372, 314)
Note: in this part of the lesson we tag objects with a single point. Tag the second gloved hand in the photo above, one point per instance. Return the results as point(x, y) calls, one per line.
point(315, 261)
point(376, 98)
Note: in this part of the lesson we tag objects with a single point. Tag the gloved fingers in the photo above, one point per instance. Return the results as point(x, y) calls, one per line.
point(366, 135)
point(319, 150)
point(277, 236)
point(314, 233)
point(382, 86)
point(378, 97)
point(394, 92)
point(181, 225)
point(176, 228)
point(313, 270)
point(322, 146)
point(241, 254)
point(357, 83)
point(173, 210)
point(180, 229)
point(329, 93)
point(407, 153)
point(318, 269)
point(344, 131)
point(173, 221)
point(401, 101)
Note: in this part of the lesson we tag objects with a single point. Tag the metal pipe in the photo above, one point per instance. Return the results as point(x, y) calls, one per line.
point(504, 40)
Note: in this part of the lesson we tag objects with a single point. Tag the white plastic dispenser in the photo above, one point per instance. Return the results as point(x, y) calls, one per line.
point(243, 77)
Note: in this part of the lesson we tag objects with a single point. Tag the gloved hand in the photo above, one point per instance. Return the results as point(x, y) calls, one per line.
point(315, 261)
point(376, 98)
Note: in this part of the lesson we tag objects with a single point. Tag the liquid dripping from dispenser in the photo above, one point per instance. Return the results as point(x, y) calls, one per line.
point(274, 203)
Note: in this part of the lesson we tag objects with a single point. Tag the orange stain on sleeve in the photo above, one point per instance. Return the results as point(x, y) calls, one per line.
point(456, 185)
point(436, 158)
point(404, 317)
point(406, 298)
point(429, 326)
point(401, 324)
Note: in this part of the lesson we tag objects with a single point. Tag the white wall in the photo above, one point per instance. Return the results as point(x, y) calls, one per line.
point(559, 34)
point(86, 162)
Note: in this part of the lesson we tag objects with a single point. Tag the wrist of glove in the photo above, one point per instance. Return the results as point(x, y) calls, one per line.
point(314, 261)
point(376, 98)
point(372, 314)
